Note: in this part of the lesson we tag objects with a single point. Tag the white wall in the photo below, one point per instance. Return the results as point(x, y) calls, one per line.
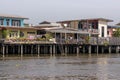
point(101, 24)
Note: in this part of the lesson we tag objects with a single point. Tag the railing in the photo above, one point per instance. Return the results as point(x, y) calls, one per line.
point(25, 41)
point(105, 41)
point(70, 41)
point(90, 30)
point(92, 41)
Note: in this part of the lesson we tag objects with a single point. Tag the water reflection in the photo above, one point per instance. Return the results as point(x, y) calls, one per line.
point(105, 67)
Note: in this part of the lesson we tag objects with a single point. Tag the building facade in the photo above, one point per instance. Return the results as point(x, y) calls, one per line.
point(95, 27)
point(12, 27)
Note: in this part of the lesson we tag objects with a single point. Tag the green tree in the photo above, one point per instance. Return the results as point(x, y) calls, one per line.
point(4, 33)
point(116, 33)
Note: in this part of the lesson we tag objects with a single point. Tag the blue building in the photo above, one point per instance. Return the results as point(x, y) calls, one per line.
point(11, 20)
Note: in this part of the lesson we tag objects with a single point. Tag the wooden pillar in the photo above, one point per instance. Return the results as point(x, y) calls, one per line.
point(97, 48)
point(66, 50)
point(26, 49)
point(77, 50)
point(44, 49)
point(54, 47)
point(109, 49)
point(13, 51)
point(3, 51)
point(50, 50)
point(31, 50)
point(89, 49)
point(55, 37)
point(83, 49)
point(77, 38)
point(117, 49)
point(21, 50)
point(102, 49)
point(6, 50)
point(38, 47)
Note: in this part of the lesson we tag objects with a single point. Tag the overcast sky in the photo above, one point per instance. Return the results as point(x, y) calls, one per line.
point(57, 10)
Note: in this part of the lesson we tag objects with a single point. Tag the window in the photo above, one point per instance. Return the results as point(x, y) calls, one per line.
point(108, 32)
point(13, 34)
point(7, 22)
point(21, 34)
point(1, 21)
point(30, 32)
point(102, 31)
point(16, 23)
point(80, 25)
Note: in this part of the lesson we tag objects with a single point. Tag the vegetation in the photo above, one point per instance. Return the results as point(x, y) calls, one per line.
point(49, 36)
point(5, 33)
point(87, 39)
point(116, 33)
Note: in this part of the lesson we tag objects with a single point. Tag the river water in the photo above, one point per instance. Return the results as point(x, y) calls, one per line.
point(101, 67)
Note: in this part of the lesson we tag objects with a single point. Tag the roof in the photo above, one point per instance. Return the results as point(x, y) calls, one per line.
point(118, 24)
point(47, 25)
point(104, 19)
point(24, 28)
point(12, 16)
point(108, 20)
point(45, 22)
point(109, 26)
point(67, 31)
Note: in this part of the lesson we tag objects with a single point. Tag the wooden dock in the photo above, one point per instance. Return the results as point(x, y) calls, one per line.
point(52, 49)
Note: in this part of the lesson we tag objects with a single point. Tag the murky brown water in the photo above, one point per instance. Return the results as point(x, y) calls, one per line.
point(105, 67)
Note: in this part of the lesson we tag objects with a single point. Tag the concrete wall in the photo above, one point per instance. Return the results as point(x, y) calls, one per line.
point(18, 32)
point(101, 24)
point(74, 24)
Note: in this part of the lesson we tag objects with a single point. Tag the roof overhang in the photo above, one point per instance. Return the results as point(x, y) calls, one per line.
point(108, 20)
point(19, 28)
point(67, 31)
point(12, 16)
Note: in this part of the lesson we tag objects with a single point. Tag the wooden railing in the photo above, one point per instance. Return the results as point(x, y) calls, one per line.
point(92, 41)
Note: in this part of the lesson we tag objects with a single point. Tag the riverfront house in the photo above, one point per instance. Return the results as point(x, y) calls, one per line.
point(12, 27)
point(62, 37)
point(95, 27)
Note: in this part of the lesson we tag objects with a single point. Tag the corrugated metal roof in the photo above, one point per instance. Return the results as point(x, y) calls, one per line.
point(108, 20)
point(11, 16)
point(68, 31)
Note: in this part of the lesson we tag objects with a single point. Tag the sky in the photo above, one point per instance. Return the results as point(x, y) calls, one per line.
point(58, 10)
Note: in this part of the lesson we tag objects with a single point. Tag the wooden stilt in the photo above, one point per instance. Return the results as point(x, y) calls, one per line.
point(89, 50)
point(38, 47)
point(109, 49)
point(77, 50)
point(50, 50)
point(3, 51)
point(117, 49)
point(6, 50)
point(54, 47)
point(97, 50)
point(83, 49)
point(21, 50)
point(66, 51)
point(31, 50)
point(102, 49)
